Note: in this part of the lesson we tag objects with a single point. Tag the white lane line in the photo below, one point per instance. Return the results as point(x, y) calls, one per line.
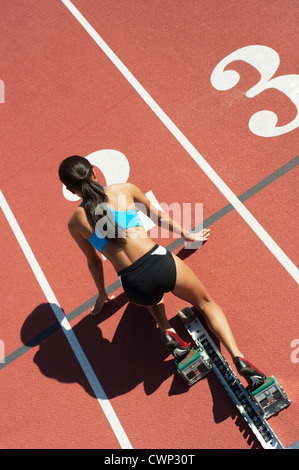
point(65, 325)
point(203, 164)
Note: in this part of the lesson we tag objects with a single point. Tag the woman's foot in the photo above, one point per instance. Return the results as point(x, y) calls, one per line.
point(174, 343)
point(254, 377)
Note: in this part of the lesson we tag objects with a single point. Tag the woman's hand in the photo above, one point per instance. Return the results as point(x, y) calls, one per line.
point(100, 302)
point(201, 236)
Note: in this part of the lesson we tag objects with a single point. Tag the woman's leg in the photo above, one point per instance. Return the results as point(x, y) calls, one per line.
point(171, 339)
point(188, 287)
point(159, 315)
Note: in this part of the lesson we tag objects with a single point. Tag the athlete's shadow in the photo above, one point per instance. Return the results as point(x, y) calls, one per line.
point(136, 354)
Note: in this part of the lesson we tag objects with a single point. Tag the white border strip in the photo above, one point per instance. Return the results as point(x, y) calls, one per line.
point(65, 325)
point(203, 164)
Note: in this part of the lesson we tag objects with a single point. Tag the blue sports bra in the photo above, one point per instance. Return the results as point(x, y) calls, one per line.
point(124, 219)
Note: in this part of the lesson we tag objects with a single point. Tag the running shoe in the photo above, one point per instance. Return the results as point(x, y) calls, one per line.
point(175, 344)
point(254, 377)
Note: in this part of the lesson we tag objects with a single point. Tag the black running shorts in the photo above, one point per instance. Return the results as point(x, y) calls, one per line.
point(147, 279)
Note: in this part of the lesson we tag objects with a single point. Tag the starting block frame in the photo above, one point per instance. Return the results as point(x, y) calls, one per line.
point(255, 407)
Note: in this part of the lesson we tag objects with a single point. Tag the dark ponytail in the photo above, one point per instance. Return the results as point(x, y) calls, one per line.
point(76, 174)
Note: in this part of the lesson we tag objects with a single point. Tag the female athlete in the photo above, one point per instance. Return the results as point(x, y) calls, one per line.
point(107, 221)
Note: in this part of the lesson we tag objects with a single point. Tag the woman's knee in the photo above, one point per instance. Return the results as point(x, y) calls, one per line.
point(204, 302)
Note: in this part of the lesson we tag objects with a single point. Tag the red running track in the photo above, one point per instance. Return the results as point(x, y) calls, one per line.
point(64, 96)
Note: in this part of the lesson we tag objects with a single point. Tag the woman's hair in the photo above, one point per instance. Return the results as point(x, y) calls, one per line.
point(76, 174)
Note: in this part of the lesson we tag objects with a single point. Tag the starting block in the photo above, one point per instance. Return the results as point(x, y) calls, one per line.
point(194, 366)
point(271, 397)
point(257, 406)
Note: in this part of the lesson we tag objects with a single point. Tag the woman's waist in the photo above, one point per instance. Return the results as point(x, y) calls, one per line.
point(128, 254)
point(141, 260)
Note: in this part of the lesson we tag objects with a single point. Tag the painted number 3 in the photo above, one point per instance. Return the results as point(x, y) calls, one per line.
point(266, 61)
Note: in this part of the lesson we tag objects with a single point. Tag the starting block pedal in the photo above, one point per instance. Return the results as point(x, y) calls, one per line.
point(195, 365)
point(271, 397)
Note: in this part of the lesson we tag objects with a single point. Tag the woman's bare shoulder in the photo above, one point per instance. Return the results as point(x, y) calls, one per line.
point(77, 219)
point(119, 188)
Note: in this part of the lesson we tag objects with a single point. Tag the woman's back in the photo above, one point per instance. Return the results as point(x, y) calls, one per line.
point(121, 207)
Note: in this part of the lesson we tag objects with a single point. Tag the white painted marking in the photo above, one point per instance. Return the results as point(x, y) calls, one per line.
point(197, 157)
point(72, 339)
point(266, 61)
point(113, 164)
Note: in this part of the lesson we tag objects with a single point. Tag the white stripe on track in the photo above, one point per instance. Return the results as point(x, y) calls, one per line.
point(197, 157)
point(65, 325)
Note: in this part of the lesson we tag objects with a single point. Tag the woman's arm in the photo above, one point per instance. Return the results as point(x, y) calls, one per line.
point(94, 263)
point(163, 220)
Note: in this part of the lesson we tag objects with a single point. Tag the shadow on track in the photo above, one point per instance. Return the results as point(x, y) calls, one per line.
point(135, 355)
